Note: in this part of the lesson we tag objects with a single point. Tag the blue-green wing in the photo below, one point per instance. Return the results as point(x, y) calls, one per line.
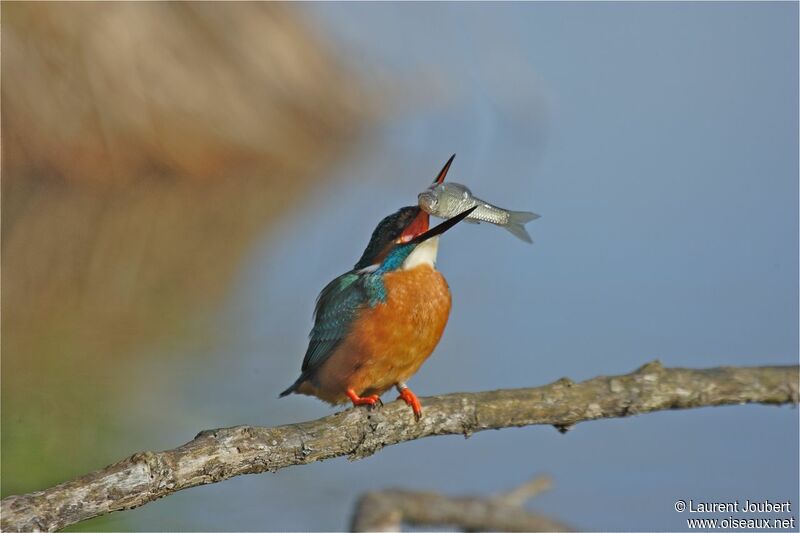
point(337, 308)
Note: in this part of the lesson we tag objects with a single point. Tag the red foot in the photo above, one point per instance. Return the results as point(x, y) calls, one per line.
point(411, 400)
point(366, 400)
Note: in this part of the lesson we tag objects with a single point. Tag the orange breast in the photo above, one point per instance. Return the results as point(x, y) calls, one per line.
point(390, 341)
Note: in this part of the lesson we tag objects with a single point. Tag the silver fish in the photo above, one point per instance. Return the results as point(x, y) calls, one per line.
point(446, 200)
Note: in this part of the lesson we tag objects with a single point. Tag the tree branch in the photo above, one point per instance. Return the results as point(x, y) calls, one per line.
point(387, 510)
point(220, 454)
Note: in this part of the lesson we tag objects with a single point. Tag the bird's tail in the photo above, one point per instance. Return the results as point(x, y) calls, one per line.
point(291, 389)
point(516, 224)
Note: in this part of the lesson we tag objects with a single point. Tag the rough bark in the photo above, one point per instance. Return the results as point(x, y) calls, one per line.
point(219, 454)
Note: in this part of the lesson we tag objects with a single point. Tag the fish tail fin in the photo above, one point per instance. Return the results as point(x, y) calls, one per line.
point(516, 224)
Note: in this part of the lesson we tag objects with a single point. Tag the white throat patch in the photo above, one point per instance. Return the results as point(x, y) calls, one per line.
point(423, 254)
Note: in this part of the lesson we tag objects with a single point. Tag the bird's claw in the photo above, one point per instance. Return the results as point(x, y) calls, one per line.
point(370, 401)
point(412, 401)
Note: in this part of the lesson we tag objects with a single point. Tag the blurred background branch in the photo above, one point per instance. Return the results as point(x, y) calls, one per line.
point(220, 454)
point(388, 510)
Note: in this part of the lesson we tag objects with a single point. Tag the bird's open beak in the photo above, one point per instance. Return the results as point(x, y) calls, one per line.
point(443, 172)
point(417, 226)
point(444, 226)
point(421, 223)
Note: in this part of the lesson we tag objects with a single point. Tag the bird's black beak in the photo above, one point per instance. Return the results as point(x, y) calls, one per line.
point(443, 172)
point(444, 226)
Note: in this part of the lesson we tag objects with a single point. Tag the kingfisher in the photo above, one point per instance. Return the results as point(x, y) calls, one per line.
point(375, 325)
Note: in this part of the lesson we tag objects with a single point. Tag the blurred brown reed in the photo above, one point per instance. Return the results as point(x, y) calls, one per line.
point(145, 147)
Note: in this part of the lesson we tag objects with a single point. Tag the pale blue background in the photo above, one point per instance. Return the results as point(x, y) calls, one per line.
point(659, 143)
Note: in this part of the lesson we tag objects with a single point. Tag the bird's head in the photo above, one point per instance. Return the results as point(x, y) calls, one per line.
point(398, 228)
point(421, 249)
point(401, 226)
